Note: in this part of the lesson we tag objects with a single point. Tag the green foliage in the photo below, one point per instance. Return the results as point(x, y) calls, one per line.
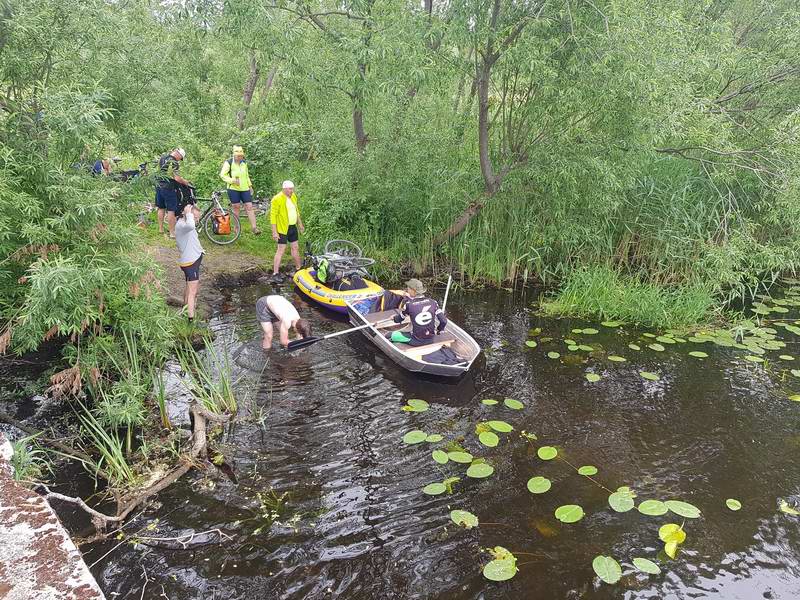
point(28, 461)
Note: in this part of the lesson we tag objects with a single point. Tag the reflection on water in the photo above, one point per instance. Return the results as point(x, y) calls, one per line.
point(329, 505)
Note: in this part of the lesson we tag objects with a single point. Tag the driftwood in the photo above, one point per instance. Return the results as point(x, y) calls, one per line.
point(126, 504)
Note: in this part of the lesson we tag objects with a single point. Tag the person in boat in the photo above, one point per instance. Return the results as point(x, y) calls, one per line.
point(191, 253)
point(424, 314)
point(277, 309)
point(284, 216)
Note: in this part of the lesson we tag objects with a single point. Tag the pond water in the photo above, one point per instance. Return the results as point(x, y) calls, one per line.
point(329, 504)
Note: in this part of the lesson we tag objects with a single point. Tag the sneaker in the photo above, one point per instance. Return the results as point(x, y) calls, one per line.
point(277, 278)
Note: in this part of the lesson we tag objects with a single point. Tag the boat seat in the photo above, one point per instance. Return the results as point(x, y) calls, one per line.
point(381, 316)
point(442, 340)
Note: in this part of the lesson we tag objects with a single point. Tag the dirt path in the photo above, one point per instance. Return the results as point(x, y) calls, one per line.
point(221, 266)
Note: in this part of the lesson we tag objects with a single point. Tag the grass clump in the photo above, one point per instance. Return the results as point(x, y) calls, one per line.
point(605, 293)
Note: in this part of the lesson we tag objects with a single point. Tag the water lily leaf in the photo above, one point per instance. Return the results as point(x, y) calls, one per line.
point(621, 501)
point(501, 569)
point(433, 438)
point(415, 405)
point(592, 377)
point(634, 347)
point(755, 359)
point(539, 485)
point(653, 508)
point(479, 470)
point(553, 355)
point(615, 358)
point(531, 344)
point(513, 404)
point(656, 347)
point(784, 507)
point(489, 402)
point(795, 372)
point(698, 354)
point(440, 456)
point(671, 549)
point(664, 339)
point(434, 489)
point(547, 453)
point(786, 357)
point(670, 532)
point(699, 340)
point(500, 426)
point(460, 457)
point(649, 376)
point(569, 513)
point(607, 569)
point(488, 438)
point(795, 397)
point(684, 509)
point(733, 504)
point(650, 335)
point(569, 342)
point(585, 348)
point(590, 331)
point(587, 470)
point(646, 566)
point(415, 436)
point(611, 323)
point(464, 518)
point(577, 331)
point(572, 347)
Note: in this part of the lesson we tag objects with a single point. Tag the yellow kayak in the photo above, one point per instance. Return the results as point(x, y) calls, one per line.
point(328, 297)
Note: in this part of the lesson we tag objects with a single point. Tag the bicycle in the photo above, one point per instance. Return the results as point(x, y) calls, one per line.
point(209, 221)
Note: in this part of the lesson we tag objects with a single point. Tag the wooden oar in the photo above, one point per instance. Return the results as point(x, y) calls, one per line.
point(305, 342)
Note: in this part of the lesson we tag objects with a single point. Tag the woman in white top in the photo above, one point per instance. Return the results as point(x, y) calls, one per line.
point(191, 253)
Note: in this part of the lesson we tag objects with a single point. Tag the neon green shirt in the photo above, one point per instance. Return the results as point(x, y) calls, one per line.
point(231, 170)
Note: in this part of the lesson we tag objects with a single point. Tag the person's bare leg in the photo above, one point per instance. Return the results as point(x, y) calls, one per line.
point(191, 297)
point(251, 215)
point(295, 247)
point(161, 212)
point(235, 208)
point(171, 222)
point(266, 341)
point(276, 263)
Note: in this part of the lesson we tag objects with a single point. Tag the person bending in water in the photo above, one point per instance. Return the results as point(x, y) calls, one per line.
point(270, 309)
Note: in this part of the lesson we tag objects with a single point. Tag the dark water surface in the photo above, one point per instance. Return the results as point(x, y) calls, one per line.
point(317, 448)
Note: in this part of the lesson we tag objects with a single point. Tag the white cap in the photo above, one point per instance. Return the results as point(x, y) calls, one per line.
point(181, 151)
point(288, 184)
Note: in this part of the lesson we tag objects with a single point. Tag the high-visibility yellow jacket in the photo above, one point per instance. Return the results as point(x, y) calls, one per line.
point(231, 170)
point(279, 212)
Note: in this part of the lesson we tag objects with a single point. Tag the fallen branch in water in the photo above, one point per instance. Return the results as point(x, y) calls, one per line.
point(126, 504)
point(65, 448)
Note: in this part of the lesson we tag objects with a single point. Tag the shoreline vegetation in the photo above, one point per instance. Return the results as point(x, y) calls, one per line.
point(643, 161)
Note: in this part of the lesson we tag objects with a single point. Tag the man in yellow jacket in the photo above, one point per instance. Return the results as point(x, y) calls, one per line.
point(240, 189)
point(284, 215)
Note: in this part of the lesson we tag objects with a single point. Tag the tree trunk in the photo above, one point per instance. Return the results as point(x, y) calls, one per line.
point(358, 128)
point(249, 89)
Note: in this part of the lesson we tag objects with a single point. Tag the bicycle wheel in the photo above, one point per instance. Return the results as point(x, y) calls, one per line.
point(342, 248)
point(222, 238)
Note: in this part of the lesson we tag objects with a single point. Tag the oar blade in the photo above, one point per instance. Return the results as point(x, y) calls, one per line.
point(297, 344)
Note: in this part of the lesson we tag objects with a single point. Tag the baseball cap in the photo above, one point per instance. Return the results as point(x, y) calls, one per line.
point(288, 184)
point(181, 151)
point(416, 285)
point(238, 150)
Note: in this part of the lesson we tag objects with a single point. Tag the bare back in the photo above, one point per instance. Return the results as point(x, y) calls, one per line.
point(285, 312)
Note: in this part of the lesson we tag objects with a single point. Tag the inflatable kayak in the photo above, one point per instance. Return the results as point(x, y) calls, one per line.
point(328, 297)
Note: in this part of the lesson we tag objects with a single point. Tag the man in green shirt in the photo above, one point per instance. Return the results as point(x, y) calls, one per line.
point(284, 215)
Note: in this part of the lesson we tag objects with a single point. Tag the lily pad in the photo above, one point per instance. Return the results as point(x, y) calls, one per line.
point(577, 331)
point(621, 501)
point(553, 355)
point(464, 518)
point(646, 566)
point(434, 489)
point(489, 402)
point(698, 354)
point(615, 358)
point(656, 347)
point(569, 513)
point(634, 347)
point(670, 532)
point(733, 504)
point(547, 453)
point(433, 438)
point(795, 372)
point(592, 377)
point(503, 567)
point(607, 569)
point(539, 485)
point(488, 438)
point(755, 359)
point(795, 397)
point(415, 405)
point(786, 357)
point(500, 426)
point(611, 323)
point(653, 508)
point(683, 509)
point(440, 456)
point(415, 436)
point(585, 348)
point(460, 457)
point(479, 470)
point(531, 344)
point(789, 510)
point(572, 347)
point(587, 470)
point(665, 339)
point(649, 376)
point(513, 404)
point(590, 331)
